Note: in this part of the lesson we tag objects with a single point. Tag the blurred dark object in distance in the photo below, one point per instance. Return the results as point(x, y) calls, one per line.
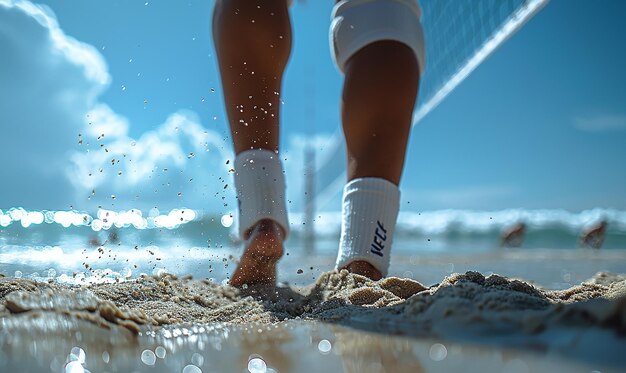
point(593, 237)
point(513, 236)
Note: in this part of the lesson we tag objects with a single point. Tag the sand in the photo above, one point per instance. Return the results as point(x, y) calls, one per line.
point(341, 297)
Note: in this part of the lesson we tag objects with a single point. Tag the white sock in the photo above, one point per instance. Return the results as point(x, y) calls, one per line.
point(369, 213)
point(260, 185)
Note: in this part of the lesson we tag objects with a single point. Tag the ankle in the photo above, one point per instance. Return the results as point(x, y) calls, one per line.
point(363, 268)
point(266, 227)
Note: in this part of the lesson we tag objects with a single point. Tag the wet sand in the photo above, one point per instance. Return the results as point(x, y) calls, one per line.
point(584, 326)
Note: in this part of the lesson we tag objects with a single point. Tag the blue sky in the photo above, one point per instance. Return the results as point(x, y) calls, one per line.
point(540, 124)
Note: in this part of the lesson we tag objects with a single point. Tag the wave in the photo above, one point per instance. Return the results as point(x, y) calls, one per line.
point(442, 222)
point(455, 230)
point(194, 228)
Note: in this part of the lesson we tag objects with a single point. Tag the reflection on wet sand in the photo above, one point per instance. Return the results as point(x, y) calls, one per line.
point(365, 352)
point(59, 343)
point(265, 341)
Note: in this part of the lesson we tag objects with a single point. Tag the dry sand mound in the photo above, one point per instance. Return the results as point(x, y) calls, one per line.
point(467, 302)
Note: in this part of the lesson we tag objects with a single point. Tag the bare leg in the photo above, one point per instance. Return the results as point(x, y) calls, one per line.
point(379, 94)
point(253, 43)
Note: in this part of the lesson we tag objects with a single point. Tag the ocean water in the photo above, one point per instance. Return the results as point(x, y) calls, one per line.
point(78, 247)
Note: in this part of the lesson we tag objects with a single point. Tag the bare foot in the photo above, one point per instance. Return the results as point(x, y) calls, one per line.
point(264, 247)
point(363, 268)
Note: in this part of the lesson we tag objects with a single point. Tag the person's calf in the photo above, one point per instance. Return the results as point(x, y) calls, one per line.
point(253, 42)
point(379, 94)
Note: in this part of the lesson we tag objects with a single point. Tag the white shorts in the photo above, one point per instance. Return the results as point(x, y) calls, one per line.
point(358, 23)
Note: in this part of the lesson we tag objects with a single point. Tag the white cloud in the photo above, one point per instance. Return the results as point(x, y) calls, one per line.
point(177, 163)
point(78, 54)
point(52, 126)
point(104, 122)
point(601, 123)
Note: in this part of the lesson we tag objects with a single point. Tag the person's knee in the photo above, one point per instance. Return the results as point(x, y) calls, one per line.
point(358, 24)
point(387, 58)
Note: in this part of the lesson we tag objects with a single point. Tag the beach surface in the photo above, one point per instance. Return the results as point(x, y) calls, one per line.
point(341, 322)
